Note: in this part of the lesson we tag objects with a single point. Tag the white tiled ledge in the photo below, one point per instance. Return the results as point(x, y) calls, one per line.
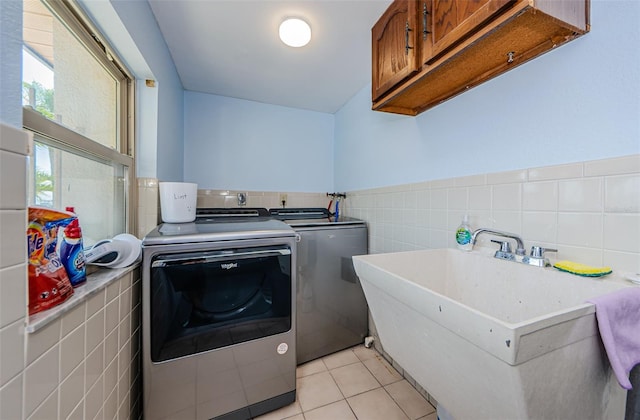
point(95, 283)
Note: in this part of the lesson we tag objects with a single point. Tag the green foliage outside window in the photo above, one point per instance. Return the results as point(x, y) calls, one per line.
point(39, 97)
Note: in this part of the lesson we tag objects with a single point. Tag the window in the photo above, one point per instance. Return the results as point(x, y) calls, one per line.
point(77, 101)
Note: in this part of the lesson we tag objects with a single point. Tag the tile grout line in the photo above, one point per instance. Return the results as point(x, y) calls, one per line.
point(361, 361)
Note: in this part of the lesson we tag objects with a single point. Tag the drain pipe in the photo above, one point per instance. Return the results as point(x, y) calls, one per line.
point(368, 341)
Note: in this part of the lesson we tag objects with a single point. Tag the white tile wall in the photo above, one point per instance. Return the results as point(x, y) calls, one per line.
point(622, 194)
point(589, 211)
point(507, 196)
point(69, 363)
point(13, 292)
point(614, 166)
point(572, 170)
point(61, 370)
point(540, 196)
point(266, 199)
point(149, 205)
point(13, 224)
point(14, 187)
point(14, 146)
point(76, 356)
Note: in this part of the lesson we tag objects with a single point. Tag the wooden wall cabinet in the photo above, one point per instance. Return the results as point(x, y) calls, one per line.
point(427, 51)
point(393, 42)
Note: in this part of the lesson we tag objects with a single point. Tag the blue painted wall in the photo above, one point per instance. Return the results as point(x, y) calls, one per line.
point(239, 144)
point(579, 102)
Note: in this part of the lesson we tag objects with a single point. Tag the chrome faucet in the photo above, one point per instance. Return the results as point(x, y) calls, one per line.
point(519, 244)
point(536, 258)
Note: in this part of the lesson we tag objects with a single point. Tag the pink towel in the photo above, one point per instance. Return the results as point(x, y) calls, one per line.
point(618, 317)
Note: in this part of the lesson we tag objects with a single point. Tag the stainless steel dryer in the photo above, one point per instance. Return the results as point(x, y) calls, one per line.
point(331, 308)
point(218, 318)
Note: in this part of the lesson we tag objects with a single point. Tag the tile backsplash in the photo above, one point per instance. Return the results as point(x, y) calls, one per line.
point(589, 211)
point(229, 198)
point(148, 210)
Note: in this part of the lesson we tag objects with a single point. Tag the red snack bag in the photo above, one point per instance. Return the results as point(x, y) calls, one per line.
point(49, 284)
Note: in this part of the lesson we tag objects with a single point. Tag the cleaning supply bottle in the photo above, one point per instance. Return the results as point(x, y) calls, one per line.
point(72, 252)
point(463, 235)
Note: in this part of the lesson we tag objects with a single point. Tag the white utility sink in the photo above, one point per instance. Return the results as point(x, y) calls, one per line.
point(493, 339)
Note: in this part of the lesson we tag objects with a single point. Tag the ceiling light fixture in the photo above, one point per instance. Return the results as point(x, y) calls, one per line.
point(295, 32)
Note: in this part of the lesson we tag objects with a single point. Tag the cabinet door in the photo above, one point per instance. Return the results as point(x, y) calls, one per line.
point(394, 55)
point(450, 22)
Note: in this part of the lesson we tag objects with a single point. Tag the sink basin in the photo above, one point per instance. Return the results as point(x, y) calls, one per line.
point(493, 339)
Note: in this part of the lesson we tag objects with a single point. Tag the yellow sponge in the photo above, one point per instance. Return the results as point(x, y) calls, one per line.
point(581, 269)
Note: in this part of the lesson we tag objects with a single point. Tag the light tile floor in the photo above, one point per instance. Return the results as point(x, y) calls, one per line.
point(354, 384)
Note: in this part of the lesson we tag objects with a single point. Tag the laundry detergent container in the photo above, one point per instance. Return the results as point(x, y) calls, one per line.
point(178, 201)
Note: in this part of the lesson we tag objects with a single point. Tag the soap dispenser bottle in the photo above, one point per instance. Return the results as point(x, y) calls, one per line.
point(463, 235)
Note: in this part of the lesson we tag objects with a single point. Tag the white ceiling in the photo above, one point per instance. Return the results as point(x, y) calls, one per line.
point(231, 48)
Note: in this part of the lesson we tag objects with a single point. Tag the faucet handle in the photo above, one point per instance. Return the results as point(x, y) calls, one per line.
point(538, 251)
point(504, 245)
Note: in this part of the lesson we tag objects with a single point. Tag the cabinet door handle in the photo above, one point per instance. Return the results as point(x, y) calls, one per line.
point(406, 39)
point(424, 21)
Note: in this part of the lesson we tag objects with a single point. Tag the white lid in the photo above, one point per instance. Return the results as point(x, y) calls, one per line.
point(132, 254)
point(127, 248)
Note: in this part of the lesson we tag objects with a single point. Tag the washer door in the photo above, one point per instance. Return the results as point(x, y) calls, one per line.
point(207, 300)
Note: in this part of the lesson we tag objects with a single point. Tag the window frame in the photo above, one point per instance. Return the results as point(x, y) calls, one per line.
point(61, 137)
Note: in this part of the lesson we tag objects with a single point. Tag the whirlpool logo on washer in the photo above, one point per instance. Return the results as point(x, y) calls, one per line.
point(229, 266)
